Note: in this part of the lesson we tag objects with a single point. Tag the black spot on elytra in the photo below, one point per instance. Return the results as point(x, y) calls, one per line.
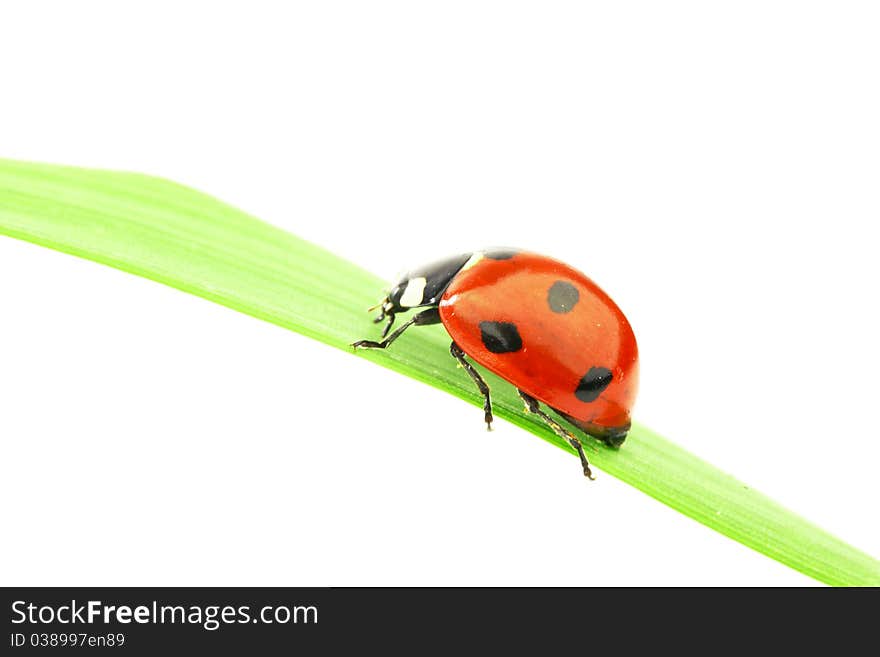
point(500, 337)
point(500, 254)
point(562, 297)
point(593, 383)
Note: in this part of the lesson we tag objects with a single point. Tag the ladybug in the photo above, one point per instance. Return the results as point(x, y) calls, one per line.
point(535, 322)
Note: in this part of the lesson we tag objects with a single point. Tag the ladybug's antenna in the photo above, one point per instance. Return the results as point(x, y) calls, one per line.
point(382, 313)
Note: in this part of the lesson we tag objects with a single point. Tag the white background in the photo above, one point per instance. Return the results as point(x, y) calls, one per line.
point(713, 166)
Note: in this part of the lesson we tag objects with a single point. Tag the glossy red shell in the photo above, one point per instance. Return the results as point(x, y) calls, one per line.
point(558, 348)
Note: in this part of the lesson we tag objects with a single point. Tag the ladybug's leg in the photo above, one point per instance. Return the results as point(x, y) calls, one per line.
point(458, 354)
point(383, 314)
point(533, 406)
point(388, 325)
point(429, 316)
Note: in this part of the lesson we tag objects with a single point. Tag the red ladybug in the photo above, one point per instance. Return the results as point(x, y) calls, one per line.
point(535, 322)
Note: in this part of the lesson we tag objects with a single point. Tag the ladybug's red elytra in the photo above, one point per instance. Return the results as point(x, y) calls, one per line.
point(535, 322)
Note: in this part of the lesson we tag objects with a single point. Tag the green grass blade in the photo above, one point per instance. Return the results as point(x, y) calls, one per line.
point(185, 239)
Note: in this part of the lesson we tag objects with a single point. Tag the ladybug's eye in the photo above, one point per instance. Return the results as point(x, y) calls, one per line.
point(394, 295)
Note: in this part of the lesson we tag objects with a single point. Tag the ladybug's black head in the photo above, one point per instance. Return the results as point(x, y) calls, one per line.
point(418, 288)
point(423, 286)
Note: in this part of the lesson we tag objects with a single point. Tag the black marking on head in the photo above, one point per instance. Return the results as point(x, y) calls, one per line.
point(500, 337)
point(562, 297)
point(500, 254)
point(593, 383)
